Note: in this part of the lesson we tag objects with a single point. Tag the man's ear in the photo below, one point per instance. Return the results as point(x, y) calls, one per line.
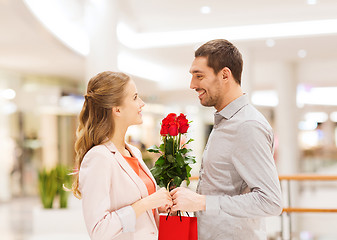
point(116, 111)
point(226, 73)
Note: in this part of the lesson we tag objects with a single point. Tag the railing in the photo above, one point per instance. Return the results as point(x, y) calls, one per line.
point(286, 231)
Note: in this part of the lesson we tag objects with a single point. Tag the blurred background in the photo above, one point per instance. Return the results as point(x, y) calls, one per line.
point(50, 49)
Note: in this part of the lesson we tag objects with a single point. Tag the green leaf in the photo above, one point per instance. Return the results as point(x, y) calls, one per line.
point(156, 171)
point(170, 158)
point(189, 160)
point(177, 181)
point(171, 174)
point(190, 140)
point(188, 181)
point(180, 160)
point(162, 147)
point(154, 149)
point(169, 148)
point(160, 161)
point(178, 171)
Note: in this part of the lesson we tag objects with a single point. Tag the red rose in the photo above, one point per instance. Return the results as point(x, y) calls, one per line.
point(168, 125)
point(171, 117)
point(164, 129)
point(173, 128)
point(183, 123)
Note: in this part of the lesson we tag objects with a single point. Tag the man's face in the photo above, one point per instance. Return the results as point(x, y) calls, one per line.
point(205, 82)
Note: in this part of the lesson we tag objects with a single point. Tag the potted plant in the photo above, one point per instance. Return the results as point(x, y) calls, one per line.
point(47, 186)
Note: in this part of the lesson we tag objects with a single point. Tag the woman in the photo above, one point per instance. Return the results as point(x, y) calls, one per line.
point(119, 194)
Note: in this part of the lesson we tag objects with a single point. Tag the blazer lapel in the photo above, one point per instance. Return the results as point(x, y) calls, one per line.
point(127, 168)
point(142, 163)
point(155, 217)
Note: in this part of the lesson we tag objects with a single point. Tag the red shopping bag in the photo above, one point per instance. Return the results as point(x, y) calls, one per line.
point(178, 228)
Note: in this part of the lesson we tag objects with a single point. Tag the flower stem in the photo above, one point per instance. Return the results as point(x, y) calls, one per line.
point(179, 141)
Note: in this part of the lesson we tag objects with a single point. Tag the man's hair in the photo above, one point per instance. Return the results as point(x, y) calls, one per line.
point(221, 53)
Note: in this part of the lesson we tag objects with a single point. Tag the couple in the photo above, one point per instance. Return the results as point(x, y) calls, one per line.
point(238, 182)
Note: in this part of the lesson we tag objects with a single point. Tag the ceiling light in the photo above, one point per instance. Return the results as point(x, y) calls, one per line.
point(316, 116)
point(132, 39)
point(302, 53)
point(8, 108)
point(265, 98)
point(307, 125)
point(205, 10)
point(270, 42)
point(142, 68)
point(311, 2)
point(317, 96)
point(8, 94)
point(333, 116)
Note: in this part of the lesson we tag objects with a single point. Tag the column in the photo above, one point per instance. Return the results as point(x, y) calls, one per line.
point(287, 119)
point(286, 132)
point(247, 80)
point(101, 21)
point(7, 145)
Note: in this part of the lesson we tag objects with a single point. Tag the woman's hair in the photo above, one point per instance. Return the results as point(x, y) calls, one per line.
point(96, 125)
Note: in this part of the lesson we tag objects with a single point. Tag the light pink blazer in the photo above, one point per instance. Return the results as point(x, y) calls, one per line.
point(109, 186)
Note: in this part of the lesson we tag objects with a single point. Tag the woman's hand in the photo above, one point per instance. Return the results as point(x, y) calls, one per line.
point(160, 198)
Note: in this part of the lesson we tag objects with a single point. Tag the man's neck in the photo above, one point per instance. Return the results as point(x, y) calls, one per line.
point(233, 94)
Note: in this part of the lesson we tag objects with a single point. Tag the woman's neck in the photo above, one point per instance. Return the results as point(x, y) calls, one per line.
point(118, 139)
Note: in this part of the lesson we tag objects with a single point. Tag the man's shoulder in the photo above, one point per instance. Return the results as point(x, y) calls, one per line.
point(250, 117)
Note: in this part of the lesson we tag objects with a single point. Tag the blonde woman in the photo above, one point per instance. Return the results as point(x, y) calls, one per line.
point(118, 192)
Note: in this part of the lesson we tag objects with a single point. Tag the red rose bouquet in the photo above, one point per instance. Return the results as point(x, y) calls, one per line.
point(172, 167)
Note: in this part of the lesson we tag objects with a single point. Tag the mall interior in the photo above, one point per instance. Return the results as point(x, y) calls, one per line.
point(50, 49)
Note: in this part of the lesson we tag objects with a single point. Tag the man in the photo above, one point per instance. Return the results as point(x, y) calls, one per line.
point(238, 182)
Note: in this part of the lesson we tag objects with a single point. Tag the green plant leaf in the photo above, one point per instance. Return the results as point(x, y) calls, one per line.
point(156, 171)
point(190, 140)
point(177, 181)
point(180, 160)
point(153, 149)
point(160, 161)
point(188, 169)
point(169, 148)
point(189, 160)
point(162, 147)
point(170, 158)
point(187, 181)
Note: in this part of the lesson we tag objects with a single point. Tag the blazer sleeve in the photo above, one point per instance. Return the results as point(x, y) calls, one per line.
point(94, 183)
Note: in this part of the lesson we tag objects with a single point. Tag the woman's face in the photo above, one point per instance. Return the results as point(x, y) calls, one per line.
point(132, 105)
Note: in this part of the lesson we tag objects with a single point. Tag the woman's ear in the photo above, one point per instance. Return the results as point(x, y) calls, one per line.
point(116, 111)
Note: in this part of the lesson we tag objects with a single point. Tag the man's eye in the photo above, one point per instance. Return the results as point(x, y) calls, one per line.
point(199, 76)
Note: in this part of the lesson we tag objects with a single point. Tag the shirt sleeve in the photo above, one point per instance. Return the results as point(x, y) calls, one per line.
point(254, 162)
point(95, 181)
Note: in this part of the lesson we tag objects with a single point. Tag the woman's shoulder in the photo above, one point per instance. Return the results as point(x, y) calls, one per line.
point(100, 152)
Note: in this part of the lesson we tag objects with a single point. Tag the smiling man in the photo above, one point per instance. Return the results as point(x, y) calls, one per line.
point(238, 183)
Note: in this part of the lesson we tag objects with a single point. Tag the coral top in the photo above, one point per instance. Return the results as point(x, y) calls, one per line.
point(134, 163)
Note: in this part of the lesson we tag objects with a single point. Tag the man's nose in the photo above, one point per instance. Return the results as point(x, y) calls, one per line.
point(192, 84)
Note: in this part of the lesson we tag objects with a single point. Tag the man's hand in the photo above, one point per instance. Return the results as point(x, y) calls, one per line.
point(187, 200)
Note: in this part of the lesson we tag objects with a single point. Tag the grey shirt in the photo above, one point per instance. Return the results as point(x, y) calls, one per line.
point(238, 175)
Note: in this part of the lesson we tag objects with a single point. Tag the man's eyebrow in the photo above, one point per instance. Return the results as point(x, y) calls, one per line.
point(195, 71)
